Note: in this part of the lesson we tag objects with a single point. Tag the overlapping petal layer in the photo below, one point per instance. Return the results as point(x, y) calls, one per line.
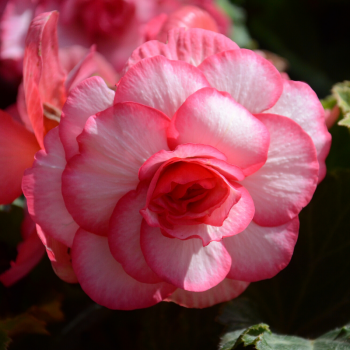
point(184, 263)
point(111, 153)
point(300, 103)
point(88, 98)
point(104, 279)
point(251, 80)
point(213, 118)
point(43, 189)
point(226, 290)
point(192, 46)
point(171, 82)
point(287, 181)
point(124, 236)
point(261, 252)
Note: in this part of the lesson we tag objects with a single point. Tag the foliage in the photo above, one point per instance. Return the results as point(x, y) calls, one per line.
point(260, 337)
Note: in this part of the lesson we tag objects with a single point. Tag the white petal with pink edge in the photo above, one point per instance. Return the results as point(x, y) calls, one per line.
point(250, 79)
point(104, 280)
point(88, 98)
point(213, 118)
point(226, 290)
point(185, 264)
point(261, 252)
point(124, 236)
point(42, 187)
point(17, 149)
point(113, 146)
point(300, 103)
point(287, 181)
point(189, 45)
point(239, 217)
point(160, 83)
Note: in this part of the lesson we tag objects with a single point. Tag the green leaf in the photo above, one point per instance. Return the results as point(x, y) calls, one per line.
point(328, 102)
point(260, 337)
point(341, 93)
point(311, 295)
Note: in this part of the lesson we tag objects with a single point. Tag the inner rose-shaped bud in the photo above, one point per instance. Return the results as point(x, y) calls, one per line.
point(187, 193)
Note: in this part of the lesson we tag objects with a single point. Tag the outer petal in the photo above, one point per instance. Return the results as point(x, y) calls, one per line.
point(88, 98)
point(192, 46)
point(30, 252)
point(42, 188)
point(185, 264)
point(17, 149)
point(59, 255)
point(160, 83)
point(124, 236)
point(261, 252)
point(226, 290)
point(250, 79)
point(239, 217)
point(43, 76)
point(287, 181)
point(104, 279)
point(300, 103)
point(113, 146)
point(213, 118)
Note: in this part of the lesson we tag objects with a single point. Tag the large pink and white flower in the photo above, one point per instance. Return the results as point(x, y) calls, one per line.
point(185, 184)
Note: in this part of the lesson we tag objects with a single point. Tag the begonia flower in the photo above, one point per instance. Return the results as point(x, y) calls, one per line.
point(185, 184)
point(115, 27)
point(45, 86)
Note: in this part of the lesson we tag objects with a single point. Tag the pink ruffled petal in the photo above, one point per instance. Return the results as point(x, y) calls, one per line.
point(260, 252)
point(300, 103)
point(204, 154)
point(104, 280)
point(250, 79)
point(124, 236)
point(188, 45)
point(213, 118)
point(30, 252)
point(238, 218)
point(42, 188)
point(160, 83)
point(287, 181)
point(88, 98)
point(43, 76)
point(226, 290)
point(185, 264)
point(17, 149)
point(113, 146)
